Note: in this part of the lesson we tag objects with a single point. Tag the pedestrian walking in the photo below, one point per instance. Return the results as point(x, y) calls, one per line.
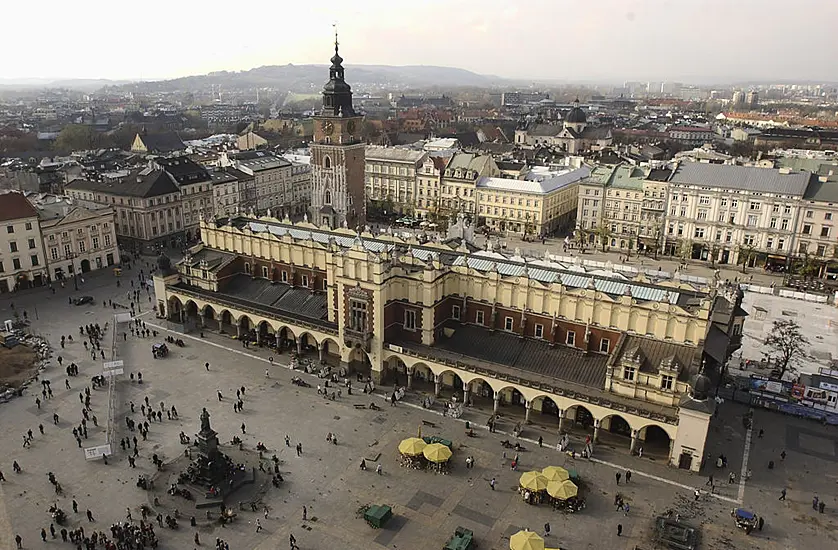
point(19, 541)
point(709, 481)
point(89, 516)
point(76, 507)
point(41, 428)
point(305, 513)
point(299, 449)
point(619, 529)
point(379, 469)
point(244, 431)
point(547, 529)
point(782, 495)
point(492, 484)
point(43, 534)
point(626, 508)
point(38, 402)
point(540, 444)
point(628, 476)
point(258, 525)
point(207, 365)
point(815, 503)
point(618, 475)
point(731, 478)
point(783, 456)
point(287, 441)
point(292, 541)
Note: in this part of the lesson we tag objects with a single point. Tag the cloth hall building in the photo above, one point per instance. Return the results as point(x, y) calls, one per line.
point(586, 352)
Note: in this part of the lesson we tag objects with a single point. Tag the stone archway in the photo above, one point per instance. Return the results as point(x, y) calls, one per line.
point(479, 393)
point(265, 335)
point(579, 418)
point(329, 351)
point(548, 411)
point(394, 371)
point(226, 323)
point(653, 441)
point(175, 309)
point(306, 344)
point(422, 377)
point(208, 314)
point(246, 330)
point(286, 339)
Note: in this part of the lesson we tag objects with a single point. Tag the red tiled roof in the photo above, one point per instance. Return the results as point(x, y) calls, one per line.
point(14, 206)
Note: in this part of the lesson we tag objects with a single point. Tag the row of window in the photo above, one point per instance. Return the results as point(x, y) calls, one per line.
point(13, 245)
point(667, 381)
point(11, 228)
point(16, 265)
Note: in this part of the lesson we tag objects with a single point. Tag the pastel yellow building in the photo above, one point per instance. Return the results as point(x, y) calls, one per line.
point(587, 352)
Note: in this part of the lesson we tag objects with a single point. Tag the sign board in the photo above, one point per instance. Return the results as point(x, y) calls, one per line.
point(112, 372)
point(397, 349)
point(113, 364)
point(92, 453)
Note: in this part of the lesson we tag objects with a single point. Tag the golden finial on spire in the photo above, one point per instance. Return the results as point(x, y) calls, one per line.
point(335, 26)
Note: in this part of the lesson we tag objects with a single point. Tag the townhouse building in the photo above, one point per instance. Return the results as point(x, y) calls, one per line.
point(22, 260)
point(390, 177)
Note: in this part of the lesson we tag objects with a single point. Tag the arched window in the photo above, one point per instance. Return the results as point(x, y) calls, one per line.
point(328, 197)
point(327, 162)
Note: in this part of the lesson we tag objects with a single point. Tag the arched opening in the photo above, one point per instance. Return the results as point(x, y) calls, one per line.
point(449, 383)
point(654, 441)
point(85, 266)
point(330, 352)
point(308, 345)
point(393, 371)
point(175, 309)
point(423, 377)
point(226, 323)
point(548, 411)
point(359, 363)
point(327, 197)
point(265, 335)
point(481, 394)
point(287, 340)
point(615, 431)
point(327, 162)
point(246, 331)
point(192, 319)
point(209, 314)
point(579, 418)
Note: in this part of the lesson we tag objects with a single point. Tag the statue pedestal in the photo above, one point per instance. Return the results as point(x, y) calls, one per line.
point(208, 442)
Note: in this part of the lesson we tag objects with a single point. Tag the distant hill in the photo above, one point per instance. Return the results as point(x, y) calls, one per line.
point(310, 78)
point(83, 84)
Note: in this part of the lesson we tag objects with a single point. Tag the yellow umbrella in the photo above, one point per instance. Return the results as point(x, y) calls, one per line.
point(534, 481)
point(437, 453)
point(562, 490)
point(555, 473)
point(412, 446)
point(526, 540)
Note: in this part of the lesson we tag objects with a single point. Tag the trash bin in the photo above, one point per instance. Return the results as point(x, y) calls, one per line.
point(468, 425)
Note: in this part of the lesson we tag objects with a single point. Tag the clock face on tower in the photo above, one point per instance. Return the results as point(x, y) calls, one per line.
point(328, 127)
point(350, 126)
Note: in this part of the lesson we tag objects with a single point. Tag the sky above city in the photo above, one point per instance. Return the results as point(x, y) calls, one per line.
point(707, 41)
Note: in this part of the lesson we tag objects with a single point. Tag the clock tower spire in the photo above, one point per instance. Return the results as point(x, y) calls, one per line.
point(337, 155)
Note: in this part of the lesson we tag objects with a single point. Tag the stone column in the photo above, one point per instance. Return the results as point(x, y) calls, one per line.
point(528, 406)
point(634, 441)
point(299, 347)
point(409, 379)
point(238, 330)
point(220, 325)
point(321, 352)
point(466, 393)
point(596, 431)
point(258, 336)
point(497, 402)
point(561, 421)
point(437, 385)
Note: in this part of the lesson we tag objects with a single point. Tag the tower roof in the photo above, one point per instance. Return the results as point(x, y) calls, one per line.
point(337, 94)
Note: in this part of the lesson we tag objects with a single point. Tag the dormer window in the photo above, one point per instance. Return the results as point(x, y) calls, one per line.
point(667, 382)
point(629, 372)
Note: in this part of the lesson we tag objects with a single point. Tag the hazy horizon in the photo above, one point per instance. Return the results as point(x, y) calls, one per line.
point(611, 41)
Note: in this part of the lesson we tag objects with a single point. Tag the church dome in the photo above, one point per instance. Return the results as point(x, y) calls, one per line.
point(576, 116)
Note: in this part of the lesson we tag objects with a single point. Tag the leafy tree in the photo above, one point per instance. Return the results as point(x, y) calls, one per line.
point(787, 345)
point(603, 233)
point(685, 249)
point(76, 137)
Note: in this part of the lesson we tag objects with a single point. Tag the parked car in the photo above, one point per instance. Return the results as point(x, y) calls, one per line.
point(82, 300)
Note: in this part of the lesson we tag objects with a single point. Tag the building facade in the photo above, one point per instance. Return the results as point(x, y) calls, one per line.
point(77, 240)
point(391, 177)
point(147, 204)
point(337, 156)
point(22, 260)
point(428, 186)
point(534, 206)
point(584, 352)
point(272, 179)
point(817, 238)
point(459, 182)
point(731, 214)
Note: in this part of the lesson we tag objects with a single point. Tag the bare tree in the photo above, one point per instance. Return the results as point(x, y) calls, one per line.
point(786, 345)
